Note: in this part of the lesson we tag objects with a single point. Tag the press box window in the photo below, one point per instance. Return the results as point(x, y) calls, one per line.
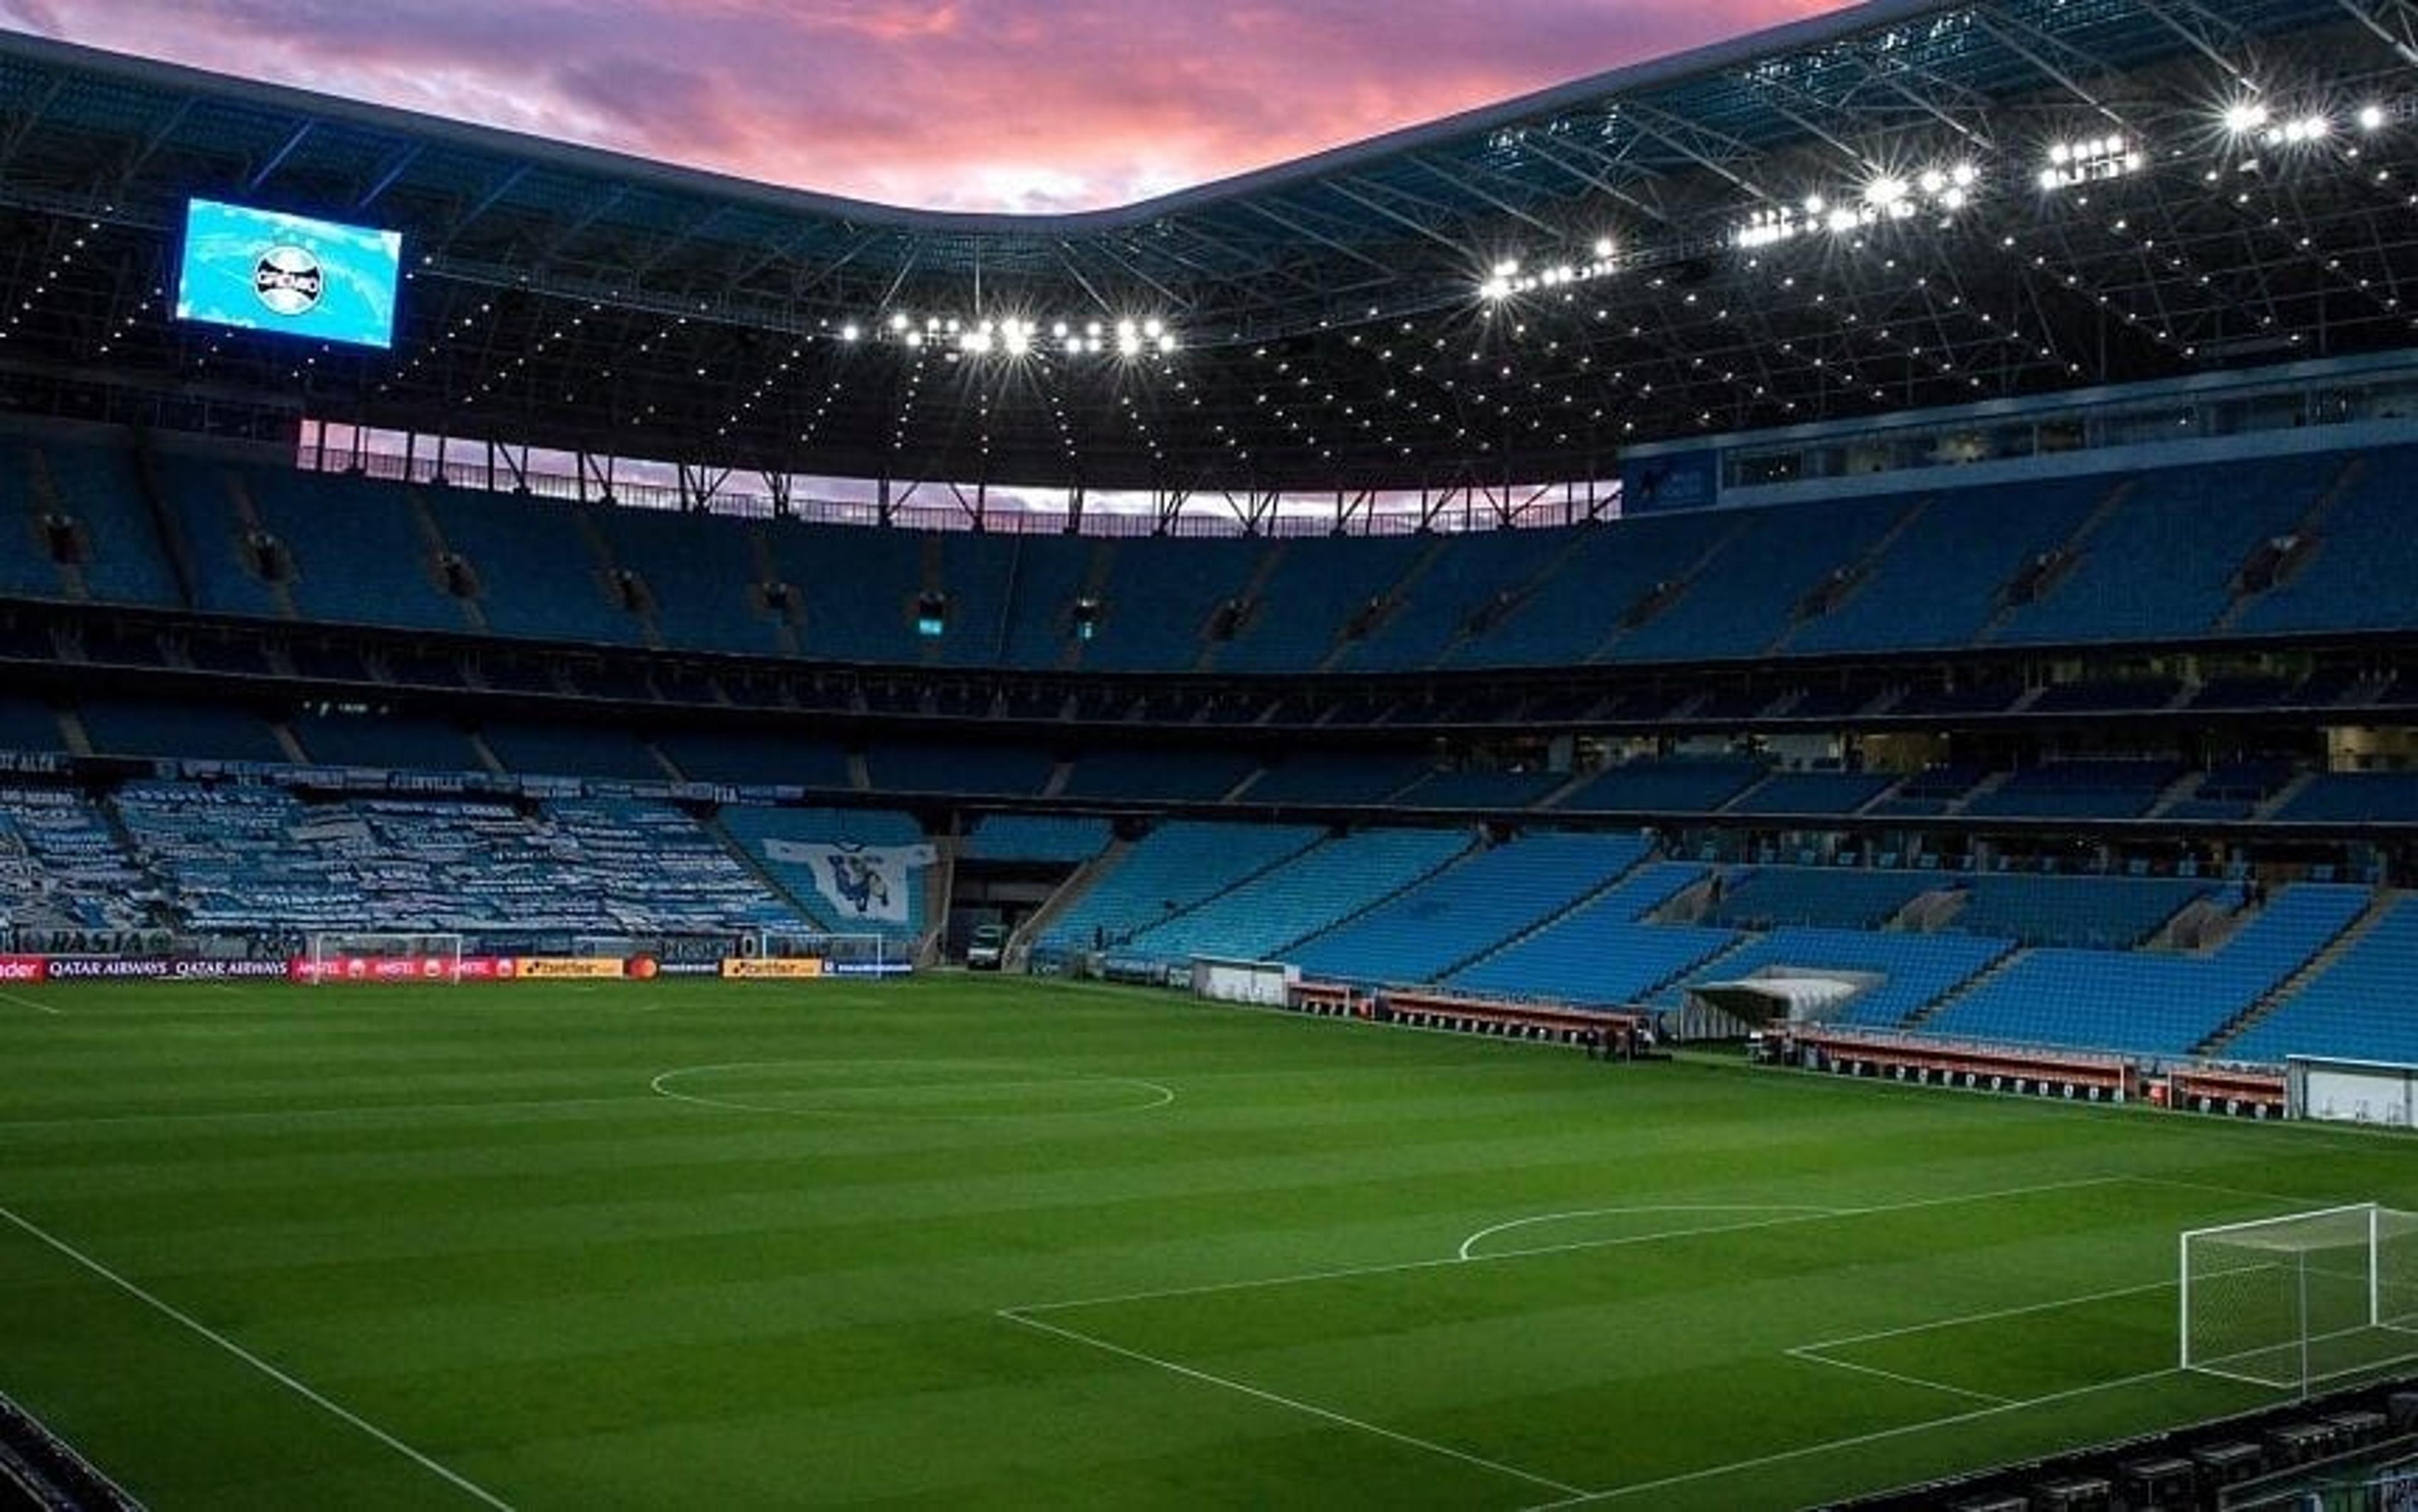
point(932, 615)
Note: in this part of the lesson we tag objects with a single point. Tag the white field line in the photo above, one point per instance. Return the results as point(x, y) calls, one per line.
point(1437, 1262)
point(1991, 1316)
point(194, 1325)
point(1023, 1315)
point(28, 1003)
point(1471, 1243)
point(1260, 1393)
point(362, 1110)
point(1809, 1354)
point(1161, 1094)
point(1615, 1493)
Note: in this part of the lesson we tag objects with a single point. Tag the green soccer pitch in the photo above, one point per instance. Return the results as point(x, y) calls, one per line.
point(1006, 1243)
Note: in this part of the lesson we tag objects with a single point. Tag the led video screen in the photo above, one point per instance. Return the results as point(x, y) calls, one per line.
point(268, 270)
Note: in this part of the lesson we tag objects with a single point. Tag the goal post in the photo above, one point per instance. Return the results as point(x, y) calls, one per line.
point(383, 956)
point(2289, 1302)
point(870, 956)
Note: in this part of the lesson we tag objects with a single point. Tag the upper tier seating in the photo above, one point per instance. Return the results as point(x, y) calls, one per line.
point(796, 847)
point(1336, 777)
point(1598, 954)
point(97, 488)
point(1746, 597)
point(2355, 798)
point(29, 725)
point(1468, 908)
point(1914, 970)
point(2358, 574)
point(918, 767)
point(2162, 562)
point(361, 553)
point(1308, 892)
point(1481, 789)
point(2364, 1007)
point(1300, 609)
point(2078, 789)
point(161, 730)
point(539, 573)
point(2158, 555)
point(1049, 839)
point(1190, 774)
point(1160, 598)
point(757, 758)
point(397, 742)
point(571, 750)
point(1461, 576)
point(703, 574)
point(1664, 786)
point(1171, 869)
point(1811, 792)
point(2150, 1003)
point(1938, 583)
point(2101, 912)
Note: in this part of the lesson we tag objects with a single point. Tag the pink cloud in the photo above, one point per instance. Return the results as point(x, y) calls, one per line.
point(968, 104)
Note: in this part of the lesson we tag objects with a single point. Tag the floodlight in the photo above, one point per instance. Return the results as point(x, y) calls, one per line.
point(1963, 176)
point(1508, 267)
point(1603, 246)
point(1884, 191)
point(2371, 117)
point(849, 332)
point(1154, 329)
point(1166, 342)
point(2245, 115)
point(898, 322)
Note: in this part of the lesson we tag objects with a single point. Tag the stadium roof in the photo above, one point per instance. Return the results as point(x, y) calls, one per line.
point(2013, 197)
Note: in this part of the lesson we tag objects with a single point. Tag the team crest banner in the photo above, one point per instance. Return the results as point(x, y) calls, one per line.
point(864, 883)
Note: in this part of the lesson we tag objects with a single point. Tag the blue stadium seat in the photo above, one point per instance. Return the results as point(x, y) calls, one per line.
point(1308, 892)
point(1172, 868)
point(1469, 907)
point(1044, 839)
point(2364, 1006)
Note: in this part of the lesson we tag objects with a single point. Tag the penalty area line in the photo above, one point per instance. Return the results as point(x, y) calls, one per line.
point(1294, 1404)
point(1617, 1493)
point(28, 1003)
point(196, 1326)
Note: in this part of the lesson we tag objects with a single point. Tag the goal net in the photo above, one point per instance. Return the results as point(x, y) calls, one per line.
point(837, 954)
point(2308, 1297)
point(384, 957)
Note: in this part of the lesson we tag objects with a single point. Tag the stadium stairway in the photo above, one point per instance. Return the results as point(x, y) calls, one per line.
point(438, 549)
point(1069, 893)
point(2283, 797)
point(1636, 869)
point(1852, 576)
point(2310, 526)
point(247, 514)
point(1247, 597)
point(2379, 906)
point(1388, 604)
point(1975, 983)
point(1626, 617)
point(2068, 552)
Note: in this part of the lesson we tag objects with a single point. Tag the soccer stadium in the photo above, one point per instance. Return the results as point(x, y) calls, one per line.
point(1698, 791)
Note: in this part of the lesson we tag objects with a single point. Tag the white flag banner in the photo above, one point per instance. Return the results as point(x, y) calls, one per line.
point(864, 882)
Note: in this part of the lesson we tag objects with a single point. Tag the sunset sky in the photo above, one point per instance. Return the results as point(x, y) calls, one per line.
point(1019, 105)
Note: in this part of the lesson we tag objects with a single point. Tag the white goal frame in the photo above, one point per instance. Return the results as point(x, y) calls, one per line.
point(2358, 1303)
point(879, 951)
point(370, 944)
